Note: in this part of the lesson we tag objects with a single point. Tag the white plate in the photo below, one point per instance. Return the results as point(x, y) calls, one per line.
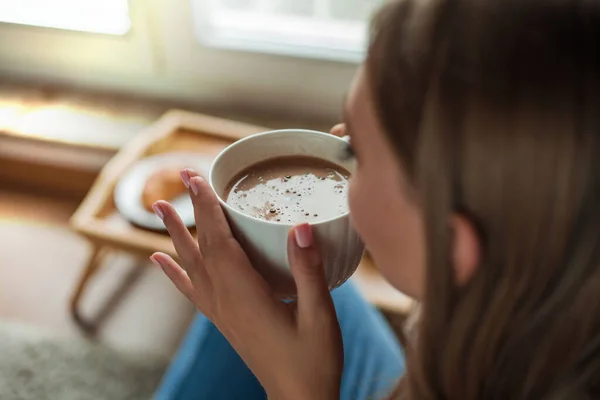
point(128, 193)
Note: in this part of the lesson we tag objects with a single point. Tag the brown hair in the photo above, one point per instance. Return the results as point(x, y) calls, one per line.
point(493, 107)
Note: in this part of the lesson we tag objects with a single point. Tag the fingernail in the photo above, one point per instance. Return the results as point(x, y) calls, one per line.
point(303, 235)
point(155, 261)
point(194, 185)
point(185, 177)
point(158, 210)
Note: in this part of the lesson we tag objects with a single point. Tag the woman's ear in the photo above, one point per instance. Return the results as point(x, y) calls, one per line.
point(466, 249)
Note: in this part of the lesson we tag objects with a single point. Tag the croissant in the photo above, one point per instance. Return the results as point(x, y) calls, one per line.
point(165, 184)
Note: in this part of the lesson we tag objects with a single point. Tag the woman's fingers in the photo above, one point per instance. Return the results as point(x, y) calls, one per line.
point(185, 245)
point(313, 292)
point(224, 258)
point(208, 214)
point(217, 271)
point(175, 273)
point(339, 130)
point(211, 224)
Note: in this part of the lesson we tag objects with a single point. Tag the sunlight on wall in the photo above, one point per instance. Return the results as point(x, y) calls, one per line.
point(98, 16)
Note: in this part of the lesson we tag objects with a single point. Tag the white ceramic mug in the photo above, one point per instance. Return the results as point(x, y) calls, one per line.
point(265, 242)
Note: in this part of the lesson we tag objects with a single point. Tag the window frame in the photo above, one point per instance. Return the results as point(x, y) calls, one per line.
point(293, 36)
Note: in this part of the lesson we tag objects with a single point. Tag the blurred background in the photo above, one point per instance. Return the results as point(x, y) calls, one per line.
point(282, 56)
point(81, 79)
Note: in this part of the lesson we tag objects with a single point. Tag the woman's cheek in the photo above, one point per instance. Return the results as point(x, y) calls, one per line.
point(358, 206)
point(391, 227)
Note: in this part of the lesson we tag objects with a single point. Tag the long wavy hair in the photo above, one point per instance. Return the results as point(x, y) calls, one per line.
point(493, 108)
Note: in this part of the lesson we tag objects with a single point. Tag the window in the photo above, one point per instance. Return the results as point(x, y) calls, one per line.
point(328, 29)
point(106, 16)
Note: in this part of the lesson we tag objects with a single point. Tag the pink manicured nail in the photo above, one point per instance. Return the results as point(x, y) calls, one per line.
point(185, 177)
point(158, 210)
point(155, 261)
point(194, 185)
point(303, 235)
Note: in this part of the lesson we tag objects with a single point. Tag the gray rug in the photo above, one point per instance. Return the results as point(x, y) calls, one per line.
point(39, 366)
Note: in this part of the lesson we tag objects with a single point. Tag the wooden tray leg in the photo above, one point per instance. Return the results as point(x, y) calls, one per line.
point(94, 262)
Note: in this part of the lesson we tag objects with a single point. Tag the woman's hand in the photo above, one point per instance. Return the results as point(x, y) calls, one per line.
point(295, 350)
point(339, 130)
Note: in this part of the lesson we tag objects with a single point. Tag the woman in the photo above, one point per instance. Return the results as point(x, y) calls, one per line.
point(476, 130)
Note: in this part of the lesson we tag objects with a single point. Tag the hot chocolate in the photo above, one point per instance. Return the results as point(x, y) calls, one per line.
point(290, 190)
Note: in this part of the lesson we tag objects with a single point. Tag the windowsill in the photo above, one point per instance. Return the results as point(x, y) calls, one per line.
point(84, 122)
point(229, 42)
point(65, 117)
